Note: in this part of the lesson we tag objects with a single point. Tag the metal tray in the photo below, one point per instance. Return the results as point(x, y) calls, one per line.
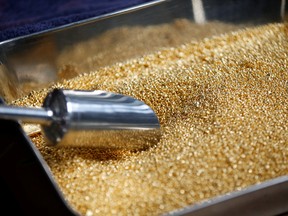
point(26, 182)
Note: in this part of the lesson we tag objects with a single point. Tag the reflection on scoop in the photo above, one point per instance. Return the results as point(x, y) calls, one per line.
point(91, 119)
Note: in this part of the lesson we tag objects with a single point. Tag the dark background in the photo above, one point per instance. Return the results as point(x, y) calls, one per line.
point(19, 18)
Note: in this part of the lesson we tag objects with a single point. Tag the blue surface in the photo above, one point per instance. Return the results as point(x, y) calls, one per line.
point(19, 18)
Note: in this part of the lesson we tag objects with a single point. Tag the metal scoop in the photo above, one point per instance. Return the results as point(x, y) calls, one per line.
point(91, 119)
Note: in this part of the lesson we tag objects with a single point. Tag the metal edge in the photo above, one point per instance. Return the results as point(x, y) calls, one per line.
point(21, 154)
point(229, 201)
point(48, 171)
point(188, 209)
point(84, 22)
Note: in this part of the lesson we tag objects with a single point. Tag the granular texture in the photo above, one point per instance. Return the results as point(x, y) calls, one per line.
point(126, 42)
point(222, 103)
point(118, 44)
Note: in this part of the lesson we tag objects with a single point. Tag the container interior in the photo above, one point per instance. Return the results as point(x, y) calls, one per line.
point(30, 65)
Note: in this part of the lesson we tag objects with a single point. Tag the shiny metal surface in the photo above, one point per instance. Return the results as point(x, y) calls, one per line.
point(100, 119)
point(27, 115)
point(33, 58)
point(91, 119)
point(265, 199)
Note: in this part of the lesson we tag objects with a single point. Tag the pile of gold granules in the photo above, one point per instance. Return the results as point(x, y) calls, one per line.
point(223, 107)
point(114, 45)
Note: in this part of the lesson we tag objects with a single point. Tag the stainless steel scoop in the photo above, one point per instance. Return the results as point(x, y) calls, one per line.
point(91, 119)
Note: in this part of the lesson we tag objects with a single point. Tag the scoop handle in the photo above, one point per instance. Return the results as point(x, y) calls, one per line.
point(26, 114)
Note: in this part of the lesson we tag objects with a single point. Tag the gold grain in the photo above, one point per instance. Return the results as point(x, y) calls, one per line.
point(222, 103)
